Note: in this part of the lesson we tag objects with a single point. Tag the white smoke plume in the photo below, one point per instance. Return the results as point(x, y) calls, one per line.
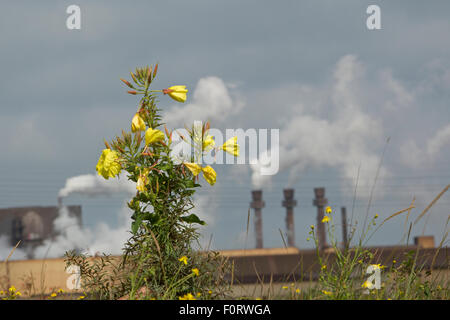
point(70, 235)
point(94, 185)
point(211, 100)
point(343, 137)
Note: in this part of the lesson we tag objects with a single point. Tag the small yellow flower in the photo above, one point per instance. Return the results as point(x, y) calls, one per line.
point(367, 284)
point(193, 167)
point(198, 294)
point(360, 261)
point(53, 295)
point(18, 293)
point(209, 174)
point(209, 291)
point(324, 267)
point(312, 227)
point(297, 290)
point(137, 123)
point(394, 261)
point(231, 147)
point(153, 136)
point(378, 266)
point(183, 259)
point(188, 296)
point(376, 216)
point(325, 219)
point(328, 210)
point(195, 271)
point(328, 293)
point(208, 143)
point(60, 291)
point(142, 180)
point(177, 93)
point(81, 297)
point(12, 289)
point(108, 165)
point(284, 287)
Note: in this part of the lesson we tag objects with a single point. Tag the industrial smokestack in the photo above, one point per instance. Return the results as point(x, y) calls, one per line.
point(289, 203)
point(258, 204)
point(344, 228)
point(320, 202)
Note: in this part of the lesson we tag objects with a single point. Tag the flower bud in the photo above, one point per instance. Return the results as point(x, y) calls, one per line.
point(137, 123)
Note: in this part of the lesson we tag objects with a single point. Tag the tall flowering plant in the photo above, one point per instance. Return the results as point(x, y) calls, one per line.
point(162, 220)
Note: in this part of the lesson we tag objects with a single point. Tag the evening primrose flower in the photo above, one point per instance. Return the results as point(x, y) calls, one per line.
point(137, 123)
point(208, 143)
point(328, 293)
point(153, 136)
point(183, 259)
point(193, 167)
point(142, 180)
point(108, 165)
point(367, 284)
point(195, 271)
point(326, 219)
point(328, 210)
point(177, 93)
point(209, 174)
point(231, 146)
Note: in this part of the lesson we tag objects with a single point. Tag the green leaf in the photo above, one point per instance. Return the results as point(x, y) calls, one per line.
point(192, 218)
point(136, 224)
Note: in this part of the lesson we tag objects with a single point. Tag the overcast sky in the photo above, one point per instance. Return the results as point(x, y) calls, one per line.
point(335, 90)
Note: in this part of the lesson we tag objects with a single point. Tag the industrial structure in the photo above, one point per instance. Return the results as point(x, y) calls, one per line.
point(32, 225)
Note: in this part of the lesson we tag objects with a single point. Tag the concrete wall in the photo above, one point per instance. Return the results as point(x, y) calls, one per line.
point(251, 266)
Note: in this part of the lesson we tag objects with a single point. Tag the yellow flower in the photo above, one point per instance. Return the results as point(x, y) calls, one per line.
point(367, 284)
point(312, 227)
point(53, 295)
point(108, 165)
point(183, 259)
point(209, 291)
point(60, 291)
point(297, 290)
point(326, 219)
point(328, 210)
point(193, 167)
point(328, 293)
point(376, 215)
point(81, 297)
point(209, 174)
point(137, 123)
point(177, 93)
point(231, 146)
point(208, 143)
point(18, 293)
point(142, 180)
point(378, 266)
point(198, 294)
point(195, 271)
point(323, 267)
point(12, 289)
point(284, 287)
point(188, 296)
point(153, 136)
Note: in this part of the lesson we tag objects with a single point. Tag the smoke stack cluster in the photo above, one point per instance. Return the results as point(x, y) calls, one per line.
point(289, 203)
point(258, 204)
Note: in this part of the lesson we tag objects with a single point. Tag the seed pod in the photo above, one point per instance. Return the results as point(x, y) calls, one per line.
point(132, 92)
point(155, 70)
point(127, 83)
